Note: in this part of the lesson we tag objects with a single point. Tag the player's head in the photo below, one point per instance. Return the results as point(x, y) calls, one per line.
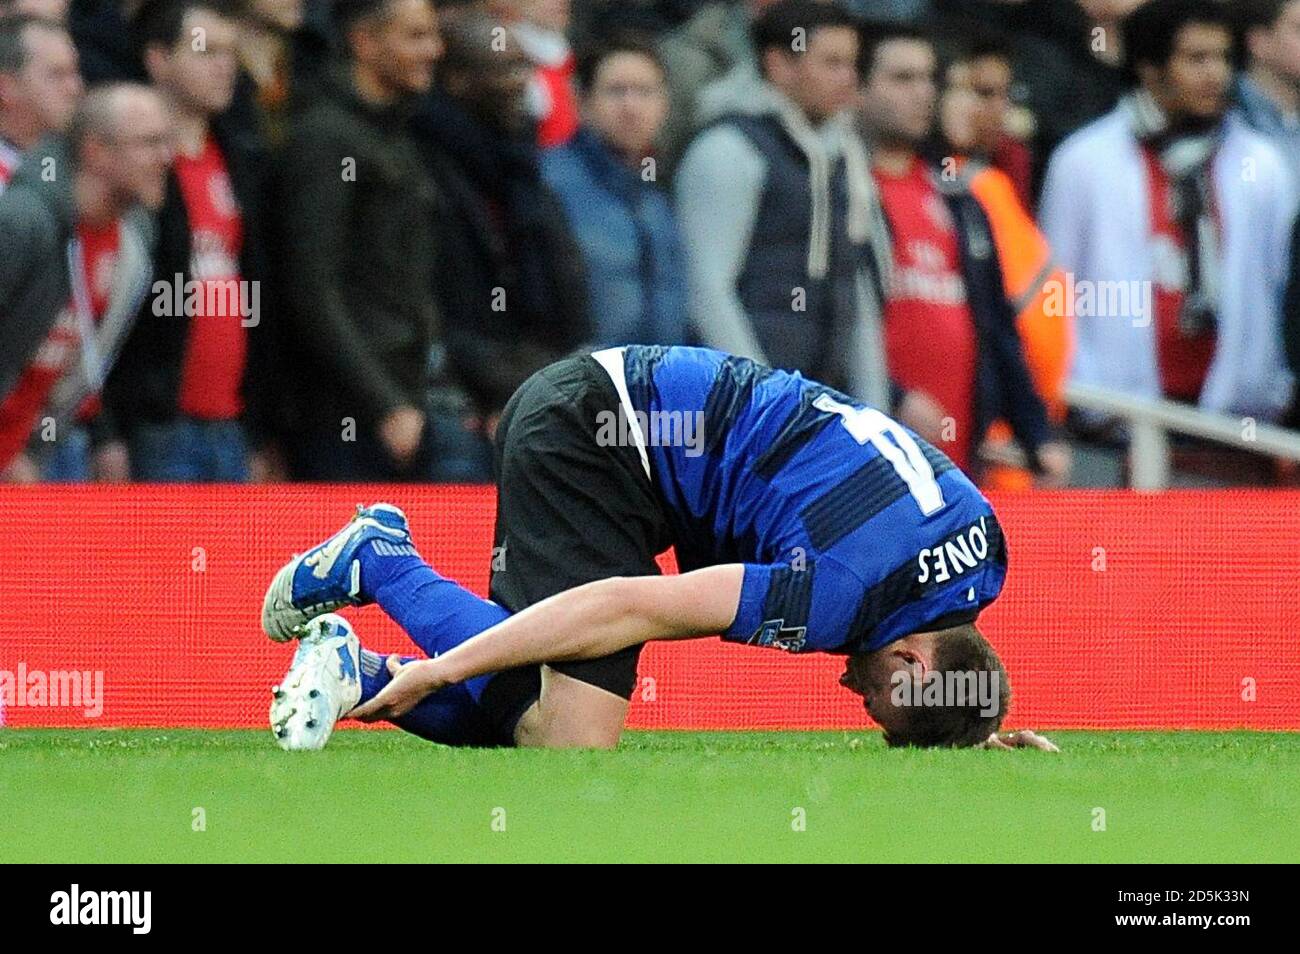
point(945, 688)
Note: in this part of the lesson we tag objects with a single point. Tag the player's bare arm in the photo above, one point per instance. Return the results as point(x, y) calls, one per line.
point(587, 622)
point(600, 618)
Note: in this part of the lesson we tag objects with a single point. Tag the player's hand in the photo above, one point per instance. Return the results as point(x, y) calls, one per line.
point(111, 463)
point(21, 470)
point(411, 682)
point(401, 431)
point(1024, 739)
point(1054, 459)
point(923, 414)
point(267, 466)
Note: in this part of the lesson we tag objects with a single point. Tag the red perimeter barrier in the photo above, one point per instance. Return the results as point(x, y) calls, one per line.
point(1175, 610)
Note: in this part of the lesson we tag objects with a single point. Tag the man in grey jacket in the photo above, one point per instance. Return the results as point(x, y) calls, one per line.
point(780, 215)
point(110, 168)
point(711, 44)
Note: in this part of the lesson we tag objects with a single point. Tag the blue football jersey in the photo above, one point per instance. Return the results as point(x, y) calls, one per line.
point(853, 531)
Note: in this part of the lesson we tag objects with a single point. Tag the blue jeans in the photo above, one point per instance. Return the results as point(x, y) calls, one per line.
point(68, 461)
point(449, 452)
point(190, 451)
point(457, 454)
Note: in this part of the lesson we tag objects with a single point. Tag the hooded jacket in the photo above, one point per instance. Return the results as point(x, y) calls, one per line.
point(697, 53)
point(783, 232)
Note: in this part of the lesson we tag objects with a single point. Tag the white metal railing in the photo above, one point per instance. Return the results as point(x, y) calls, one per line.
point(1151, 420)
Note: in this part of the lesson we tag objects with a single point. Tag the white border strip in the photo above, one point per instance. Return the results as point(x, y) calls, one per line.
point(611, 359)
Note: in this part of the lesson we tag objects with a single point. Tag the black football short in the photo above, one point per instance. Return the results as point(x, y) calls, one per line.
point(569, 511)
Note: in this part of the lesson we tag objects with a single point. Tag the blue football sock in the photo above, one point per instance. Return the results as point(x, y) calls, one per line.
point(437, 613)
point(449, 716)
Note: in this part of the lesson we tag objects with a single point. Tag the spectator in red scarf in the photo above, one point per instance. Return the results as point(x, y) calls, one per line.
point(74, 266)
point(177, 393)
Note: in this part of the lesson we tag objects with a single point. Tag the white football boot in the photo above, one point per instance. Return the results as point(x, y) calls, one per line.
point(322, 684)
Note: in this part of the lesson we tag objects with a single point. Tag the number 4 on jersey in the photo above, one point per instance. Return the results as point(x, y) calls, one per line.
point(866, 424)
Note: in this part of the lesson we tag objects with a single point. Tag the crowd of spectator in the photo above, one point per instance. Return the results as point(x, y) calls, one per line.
point(252, 240)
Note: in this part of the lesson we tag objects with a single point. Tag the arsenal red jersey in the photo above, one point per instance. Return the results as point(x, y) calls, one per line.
point(215, 352)
point(930, 342)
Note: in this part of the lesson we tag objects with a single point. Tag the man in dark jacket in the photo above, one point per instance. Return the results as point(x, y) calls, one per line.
point(511, 280)
point(357, 258)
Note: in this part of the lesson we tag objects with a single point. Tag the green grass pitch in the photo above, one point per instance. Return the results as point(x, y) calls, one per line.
point(108, 796)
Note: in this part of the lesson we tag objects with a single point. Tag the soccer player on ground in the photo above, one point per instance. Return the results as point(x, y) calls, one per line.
point(801, 520)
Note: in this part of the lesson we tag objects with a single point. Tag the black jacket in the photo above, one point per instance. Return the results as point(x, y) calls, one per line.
point(354, 258)
point(510, 279)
